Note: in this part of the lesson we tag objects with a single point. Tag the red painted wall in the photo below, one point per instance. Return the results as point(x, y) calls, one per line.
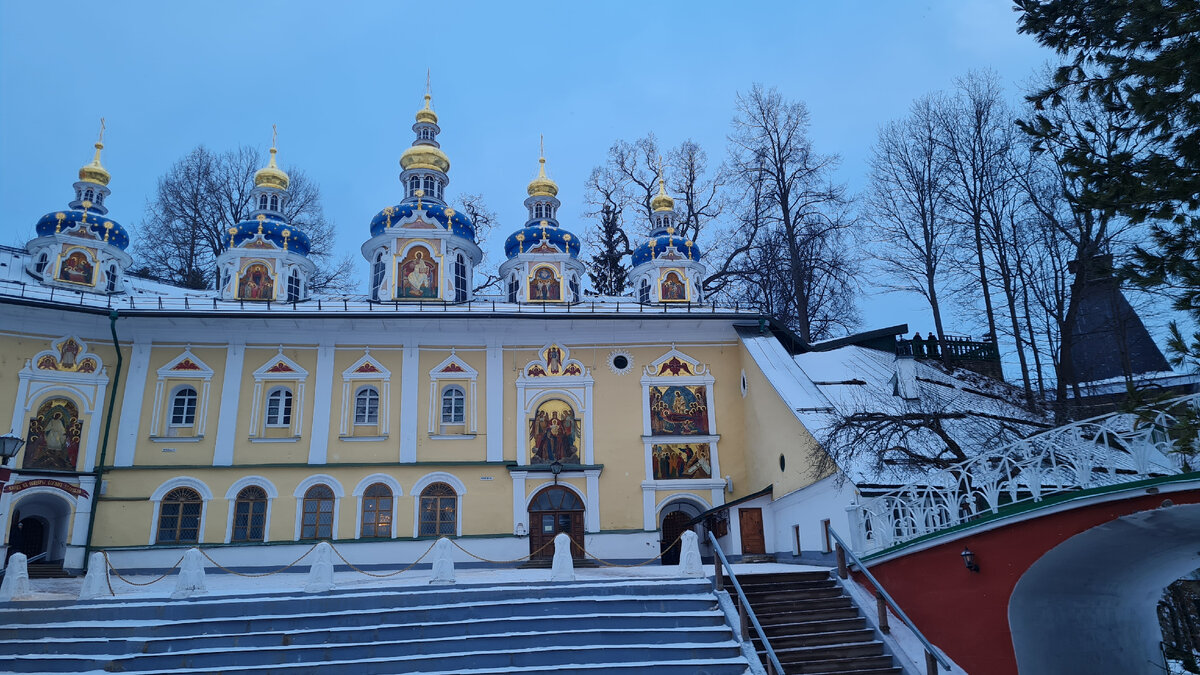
point(966, 613)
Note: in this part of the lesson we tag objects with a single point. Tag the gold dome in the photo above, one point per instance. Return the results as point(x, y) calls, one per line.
point(426, 114)
point(662, 201)
point(542, 186)
point(425, 157)
point(94, 173)
point(271, 175)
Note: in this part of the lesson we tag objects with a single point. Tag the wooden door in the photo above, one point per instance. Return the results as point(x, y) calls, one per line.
point(555, 509)
point(751, 524)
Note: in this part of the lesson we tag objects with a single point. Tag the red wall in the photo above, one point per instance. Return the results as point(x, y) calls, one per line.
point(966, 613)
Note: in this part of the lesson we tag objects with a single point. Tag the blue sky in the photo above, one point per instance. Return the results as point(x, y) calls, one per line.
point(342, 81)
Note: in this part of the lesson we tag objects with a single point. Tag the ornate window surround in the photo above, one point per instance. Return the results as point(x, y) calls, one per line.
point(278, 370)
point(156, 497)
point(367, 370)
point(338, 495)
point(35, 384)
point(453, 370)
point(533, 390)
point(425, 481)
point(185, 369)
point(361, 488)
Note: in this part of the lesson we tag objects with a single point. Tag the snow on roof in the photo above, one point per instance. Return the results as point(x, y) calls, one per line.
point(823, 386)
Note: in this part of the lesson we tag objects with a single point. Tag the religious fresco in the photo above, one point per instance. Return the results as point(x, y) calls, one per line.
point(68, 358)
point(553, 361)
point(673, 288)
point(554, 434)
point(678, 411)
point(256, 283)
point(53, 439)
point(545, 286)
point(418, 278)
point(674, 461)
point(77, 268)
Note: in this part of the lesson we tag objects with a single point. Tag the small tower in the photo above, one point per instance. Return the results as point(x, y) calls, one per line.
point(265, 259)
point(81, 248)
point(666, 268)
point(543, 258)
point(421, 249)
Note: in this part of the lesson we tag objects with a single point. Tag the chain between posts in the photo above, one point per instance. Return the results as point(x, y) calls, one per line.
point(502, 562)
point(389, 574)
point(254, 575)
point(644, 562)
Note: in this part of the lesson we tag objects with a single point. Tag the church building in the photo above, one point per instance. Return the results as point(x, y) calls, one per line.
point(259, 417)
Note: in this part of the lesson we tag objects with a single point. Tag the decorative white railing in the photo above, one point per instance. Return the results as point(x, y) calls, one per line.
point(1107, 450)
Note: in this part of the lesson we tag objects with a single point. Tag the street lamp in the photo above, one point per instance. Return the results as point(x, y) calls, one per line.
point(969, 560)
point(10, 445)
point(556, 468)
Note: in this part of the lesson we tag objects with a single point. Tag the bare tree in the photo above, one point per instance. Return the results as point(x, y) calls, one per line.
point(910, 181)
point(799, 219)
point(204, 194)
point(473, 205)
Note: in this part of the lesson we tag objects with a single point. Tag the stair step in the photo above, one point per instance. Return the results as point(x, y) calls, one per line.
point(826, 626)
point(895, 670)
point(849, 611)
point(782, 577)
point(841, 666)
point(793, 595)
point(829, 652)
point(775, 607)
point(844, 637)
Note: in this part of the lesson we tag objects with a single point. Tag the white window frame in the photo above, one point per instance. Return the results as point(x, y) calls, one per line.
point(287, 404)
point(458, 405)
point(279, 370)
point(176, 394)
point(338, 495)
point(425, 481)
point(231, 498)
point(156, 498)
point(186, 369)
point(453, 370)
point(360, 490)
point(369, 396)
point(366, 371)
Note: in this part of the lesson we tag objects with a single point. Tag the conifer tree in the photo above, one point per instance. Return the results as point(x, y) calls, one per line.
point(609, 276)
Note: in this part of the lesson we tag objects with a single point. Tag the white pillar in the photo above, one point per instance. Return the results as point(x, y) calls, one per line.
point(128, 428)
point(495, 403)
point(318, 442)
point(231, 389)
point(409, 394)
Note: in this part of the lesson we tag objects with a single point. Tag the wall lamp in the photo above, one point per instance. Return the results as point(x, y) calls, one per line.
point(556, 468)
point(969, 560)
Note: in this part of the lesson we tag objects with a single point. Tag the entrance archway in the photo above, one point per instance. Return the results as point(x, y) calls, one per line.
point(555, 509)
point(40, 524)
point(672, 521)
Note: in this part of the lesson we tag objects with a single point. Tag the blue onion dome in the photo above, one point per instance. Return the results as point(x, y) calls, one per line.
point(542, 238)
point(100, 226)
point(272, 230)
point(455, 221)
point(666, 246)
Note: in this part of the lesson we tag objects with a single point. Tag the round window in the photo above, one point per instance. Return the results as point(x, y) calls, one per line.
point(620, 361)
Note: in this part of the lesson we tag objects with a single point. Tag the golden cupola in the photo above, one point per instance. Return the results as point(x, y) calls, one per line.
point(271, 175)
point(94, 172)
point(662, 201)
point(542, 186)
point(425, 155)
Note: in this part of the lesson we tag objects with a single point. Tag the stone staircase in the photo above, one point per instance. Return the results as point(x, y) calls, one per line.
point(813, 626)
point(47, 571)
point(664, 626)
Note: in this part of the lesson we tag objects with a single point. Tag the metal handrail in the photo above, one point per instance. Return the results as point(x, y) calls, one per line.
point(931, 653)
point(745, 611)
point(33, 559)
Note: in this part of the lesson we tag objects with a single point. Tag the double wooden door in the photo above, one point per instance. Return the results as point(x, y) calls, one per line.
point(555, 509)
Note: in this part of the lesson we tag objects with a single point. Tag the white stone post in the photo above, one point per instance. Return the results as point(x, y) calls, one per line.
point(191, 576)
point(689, 556)
point(443, 562)
point(563, 568)
point(95, 584)
point(16, 579)
point(320, 572)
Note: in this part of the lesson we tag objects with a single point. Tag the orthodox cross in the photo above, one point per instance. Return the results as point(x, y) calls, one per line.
point(274, 134)
point(101, 131)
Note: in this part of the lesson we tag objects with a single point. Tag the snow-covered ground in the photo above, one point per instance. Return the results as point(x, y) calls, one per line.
point(221, 584)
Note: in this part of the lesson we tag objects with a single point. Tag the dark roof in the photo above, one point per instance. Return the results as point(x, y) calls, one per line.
point(1108, 339)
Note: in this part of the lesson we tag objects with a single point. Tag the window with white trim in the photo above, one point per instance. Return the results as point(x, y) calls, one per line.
point(513, 288)
point(293, 286)
point(317, 517)
point(274, 202)
point(453, 405)
point(366, 406)
point(262, 202)
point(376, 512)
point(644, 292)
point(439, 511)
point(43, 260)
point(183, 407)
point(249, 514)
point(460, 279)
point(279, 407)
point(179, 517)
point(377, 271)
point(110, 283)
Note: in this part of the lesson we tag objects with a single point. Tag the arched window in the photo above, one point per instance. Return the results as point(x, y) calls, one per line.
point(293, 287)
point(377, 511)
point(437, 188)
point(460, 279)
point(317, 519)
point(274, 202)
point(42, 261)
point(179, 517)
point(366, 406)
point(414, 184)
point(262, 202)
point(453, 405)
point(644, 292)
point(439, 511)
point(573, 284)
point(378, 269)
point(249, 514)
point(183, 407)
point(99, 198)
point(110, 283)
point(513, 287)
point(279, 407)
point(88, 195)
point(429, 183)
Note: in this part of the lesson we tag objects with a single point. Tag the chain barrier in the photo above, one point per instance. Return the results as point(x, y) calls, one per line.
point(503, 562)
point(612, 564)
point(389, 574)
point(253, 575)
